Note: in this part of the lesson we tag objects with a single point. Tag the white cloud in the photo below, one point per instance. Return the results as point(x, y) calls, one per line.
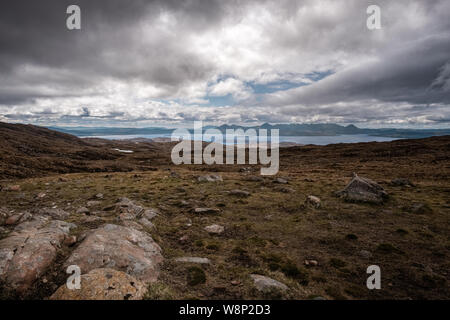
point(232, 86)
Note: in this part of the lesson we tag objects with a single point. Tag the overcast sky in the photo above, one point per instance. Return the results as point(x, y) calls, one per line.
point(169, 62)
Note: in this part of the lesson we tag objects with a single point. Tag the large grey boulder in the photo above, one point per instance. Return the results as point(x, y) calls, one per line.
point(363, 190)
point(120, 248)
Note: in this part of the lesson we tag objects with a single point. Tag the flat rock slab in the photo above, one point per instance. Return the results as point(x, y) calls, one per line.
point(193, 260)
point(120, 248)
point(266, 284)
point(28, 252)
point(363, 190)
point(103, 284)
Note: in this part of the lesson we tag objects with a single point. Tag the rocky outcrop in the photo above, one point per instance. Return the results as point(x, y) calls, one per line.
point(127, 210)
point(103, 284)
point(120, 248)
point(28, 251)
point(363, 190)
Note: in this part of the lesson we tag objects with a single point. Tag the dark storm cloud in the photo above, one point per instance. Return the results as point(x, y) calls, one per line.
point(416, 72)
point(35, 33)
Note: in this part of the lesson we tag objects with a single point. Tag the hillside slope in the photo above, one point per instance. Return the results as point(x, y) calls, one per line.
point(28, 150)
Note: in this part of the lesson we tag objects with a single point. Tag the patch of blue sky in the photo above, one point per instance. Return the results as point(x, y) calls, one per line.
point(260, 89)
point(274, 86)
point(221, 101)
point(318, 75)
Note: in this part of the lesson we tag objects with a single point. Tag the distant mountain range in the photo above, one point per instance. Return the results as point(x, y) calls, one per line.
point(285, 130)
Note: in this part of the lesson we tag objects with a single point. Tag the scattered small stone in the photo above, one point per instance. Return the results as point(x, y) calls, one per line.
point(365, 254)
point(402, 182)
point(184, 239)
point(215, 229)
point(206, 210)
point(99, 195)
point(92, 203)
point(280, 180)
point(266, 284)
point(239, 193)
point(235, 282)
point(209, 178)
point(255, 179)
point(285, 190)
point(193, 260)
point(313, 201)
point(13, 188)
point(183, 203)
point(83, 210)
point(41, 195)
point(311, 263)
